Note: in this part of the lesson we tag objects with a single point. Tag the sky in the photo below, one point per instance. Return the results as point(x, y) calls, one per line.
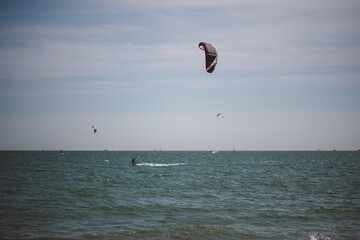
point(287, 78)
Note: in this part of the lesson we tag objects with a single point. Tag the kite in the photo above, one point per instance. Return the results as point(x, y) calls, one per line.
point(210, 56)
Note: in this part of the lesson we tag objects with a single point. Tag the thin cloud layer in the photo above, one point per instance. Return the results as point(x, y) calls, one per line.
point(141, 57)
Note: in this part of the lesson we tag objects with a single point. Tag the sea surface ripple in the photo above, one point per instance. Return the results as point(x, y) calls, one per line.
point(180, 195)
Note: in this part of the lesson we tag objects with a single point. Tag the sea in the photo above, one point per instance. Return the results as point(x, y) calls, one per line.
point(310, 195)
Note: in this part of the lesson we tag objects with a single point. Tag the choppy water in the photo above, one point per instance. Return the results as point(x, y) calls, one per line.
point(180, 195)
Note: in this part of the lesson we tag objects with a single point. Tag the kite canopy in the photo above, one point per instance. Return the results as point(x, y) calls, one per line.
point(220, 115)
point(210, 56)
point(94, 129)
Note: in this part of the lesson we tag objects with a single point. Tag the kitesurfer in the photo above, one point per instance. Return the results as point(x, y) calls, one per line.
point(133, 161)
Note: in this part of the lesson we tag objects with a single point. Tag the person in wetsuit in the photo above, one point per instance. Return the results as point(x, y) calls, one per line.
point(133, 162)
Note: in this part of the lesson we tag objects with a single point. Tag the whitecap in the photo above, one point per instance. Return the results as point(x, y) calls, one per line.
point(159, 164)
point(319, 236)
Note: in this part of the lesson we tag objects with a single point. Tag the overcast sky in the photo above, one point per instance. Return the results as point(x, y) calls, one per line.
point(288, 75)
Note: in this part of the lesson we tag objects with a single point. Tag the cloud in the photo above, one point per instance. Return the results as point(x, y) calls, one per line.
point(64, 57)
point(250, 36)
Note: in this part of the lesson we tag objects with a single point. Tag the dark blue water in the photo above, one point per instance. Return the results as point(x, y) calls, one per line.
point(180, 195)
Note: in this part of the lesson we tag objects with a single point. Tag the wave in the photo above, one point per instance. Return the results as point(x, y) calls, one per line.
point(319, 236)
point(159, 164)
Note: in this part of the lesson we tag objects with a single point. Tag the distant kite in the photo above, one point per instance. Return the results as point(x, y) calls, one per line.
point(210, 56)
point(220, 115)
point(95, 129)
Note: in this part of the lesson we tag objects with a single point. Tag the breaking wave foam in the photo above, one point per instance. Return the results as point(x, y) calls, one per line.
point(159, 164)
